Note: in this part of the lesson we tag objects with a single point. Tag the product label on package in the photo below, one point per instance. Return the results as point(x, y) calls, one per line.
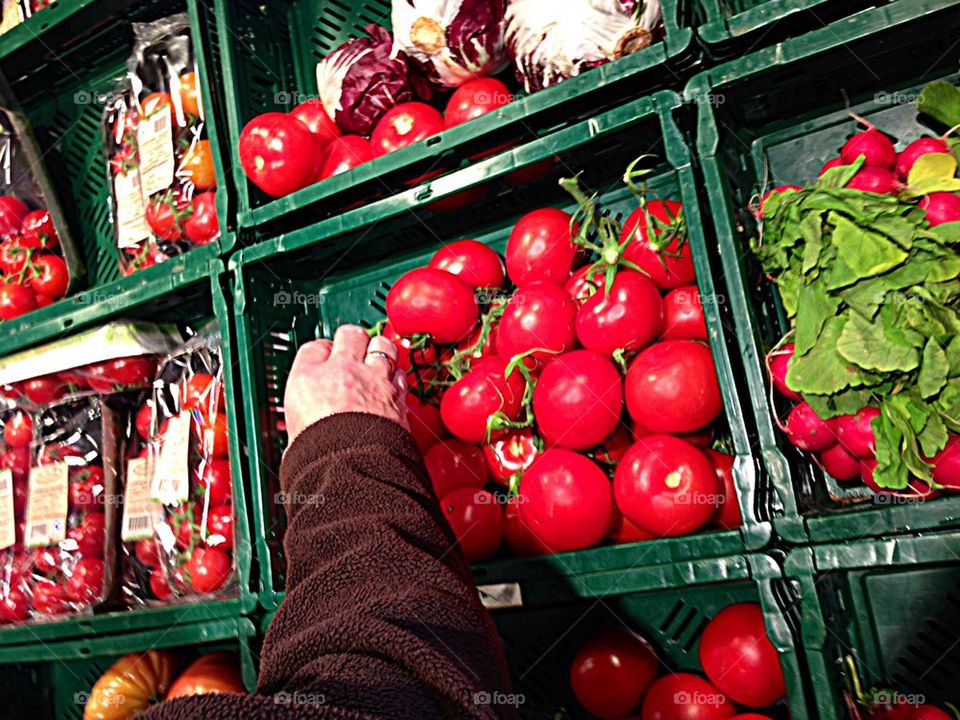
point(500, 595)
point(132, 228)
point(8, 521)
point(171, 482)
point(47, 506)
point(155, 147)
point(140, 512)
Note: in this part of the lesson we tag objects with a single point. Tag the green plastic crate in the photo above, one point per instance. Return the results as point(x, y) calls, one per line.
point(269, 50)
point(893, 604)
point(302, 285)
point(52, 681)
point(61, 65)
point(193, 302)
point(669, 604)
point(774, 117)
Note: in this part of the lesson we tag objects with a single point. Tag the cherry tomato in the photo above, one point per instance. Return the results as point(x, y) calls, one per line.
point(49, 598)
point(343, 154)
point(43, 390)
point(484, 391)
point(46, 560)
point(426, 425)
point(611, 671)
point(50, 276)
point(14, 605)
point(214, 482)
point(541, 247)
point(209, 569)
point(85, 584)
point(629, 317)
point(539, 317)
point(189, 94)
point(158, 584)
point(476, 519)
point(203, 225)
point(672, 387)
point(279, 153)
point(623, 531)
point(198, 393)
point(403, 125)
point(682, 696)
point(145, 419)
point(147, 552)
point(453, 464)
point(476, 264)
point(165, 214)
point(89, 534)
point(20, 491)
point(666, 486)
point(313, 114)
point(738, 657)
point(220, 527)
point(433, 302)
point(475, 98)
point(728, 513)
point(86, 487)
point(671, 266)
point(18, 430)
point(510, 453)
point(213, 435)
point(39, 231)
point(566, 500)
point(578, 400)
point(197, 166)
point(683, 315)
point(126, 372)
point(13, 255)
point(12, 213)
point(16, 300)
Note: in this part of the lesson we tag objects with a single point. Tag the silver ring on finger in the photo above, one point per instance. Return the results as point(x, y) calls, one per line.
point(385, 356)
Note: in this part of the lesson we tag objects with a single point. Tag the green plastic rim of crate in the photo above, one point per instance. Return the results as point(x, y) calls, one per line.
point(205, 296)
point(776, 116)
point(61, 65)
point(280, 304)
point(268, 54)
point(53, 680)
point(892, 604)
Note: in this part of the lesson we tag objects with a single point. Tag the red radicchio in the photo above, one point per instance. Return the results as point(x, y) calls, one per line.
point(359, 81)
point(551, 40)
point(452, 40)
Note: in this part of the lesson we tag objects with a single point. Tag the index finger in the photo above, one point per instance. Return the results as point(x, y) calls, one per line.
point(350, 341)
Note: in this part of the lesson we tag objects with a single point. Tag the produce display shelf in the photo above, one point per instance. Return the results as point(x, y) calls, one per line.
point(52, 681)
point(774, 117)
point(194, 302)
point(893, 604)
point(268, 52)
point(302, 285)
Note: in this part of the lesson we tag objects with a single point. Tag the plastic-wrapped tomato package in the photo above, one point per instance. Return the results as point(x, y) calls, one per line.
point(192, 474)
point(39, 263)
point(15, 441)
point(160, 161)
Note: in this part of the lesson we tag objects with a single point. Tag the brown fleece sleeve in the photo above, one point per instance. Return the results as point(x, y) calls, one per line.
point(381, 618)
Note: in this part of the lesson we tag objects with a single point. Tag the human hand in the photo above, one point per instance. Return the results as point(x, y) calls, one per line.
point(351, 373)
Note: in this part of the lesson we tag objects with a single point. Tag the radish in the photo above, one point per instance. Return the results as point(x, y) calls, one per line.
point(830, 165)
point(777, 363)
point(916, 488)
point(921, 146)
point(946, 464)
point(808, 431)
point(840, 464)
point(875, 147)
point(941, 207)
point(778, 189)
point(873, 179)
point(855, 432)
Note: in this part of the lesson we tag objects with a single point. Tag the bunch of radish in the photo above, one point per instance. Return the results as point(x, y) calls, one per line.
point(560, 401)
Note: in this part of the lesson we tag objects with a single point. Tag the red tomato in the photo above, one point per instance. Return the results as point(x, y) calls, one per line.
point(614, 446)
point(611, 671)
point(20, 491)
point(279, 153)
point(165, 214)
point(145, 419)
point(127, 372)
point(89, 534)
point(85, 584)
point(578, 400)
point(58, 452)
point(623, 531)
point(50, 276)
point(219, 531)
point(217, 672)
point(86, 487)
point(672, 387)
point(158, 583)
point(476, 519)
point(433, 302)
point(49, 598)
point(213, 436)
point(209, 569)
point(484, 391)
point(476, 264)
point(425, 354)
point(666, 486)
point(314, 115)
point(521, 542)
point(682, 696)
point(14, 605)
point(18, 430)
point(43, 390)
point(12, 213)
point(13, 255)
point(345, 153)
point(738, 657)
point(728, 514)
point(540, 316)
point(425, 423)
point(541, 248)
point(683, 315)
point(198, 393)
point(46, 560)
point(629, 317)
point(16, 300)
point(669, 267)
point(453, 464)
point(458, 200)
point(44, 301)
point(147, 552)
point(403, 125)
point(39, 230)
point(566, 500)
point(214, 482)
point(584, 283)
point(510, 453)
point(203, 225)
point(475, 98)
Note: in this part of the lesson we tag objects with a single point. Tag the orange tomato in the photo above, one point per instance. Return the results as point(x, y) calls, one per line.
point(153, 103)
point(197, 166)
point(131, 684)
point(218, 672)
point(212, 435)
point(189, 94)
